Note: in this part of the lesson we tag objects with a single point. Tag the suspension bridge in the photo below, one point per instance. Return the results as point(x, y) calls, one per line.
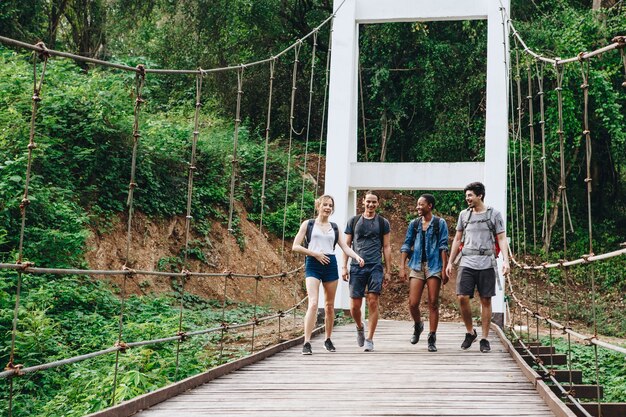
point(519, 377)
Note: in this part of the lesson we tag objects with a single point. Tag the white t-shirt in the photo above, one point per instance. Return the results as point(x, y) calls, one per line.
point(322, 241)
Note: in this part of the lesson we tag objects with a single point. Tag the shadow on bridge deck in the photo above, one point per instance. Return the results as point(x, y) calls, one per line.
point(396, 379)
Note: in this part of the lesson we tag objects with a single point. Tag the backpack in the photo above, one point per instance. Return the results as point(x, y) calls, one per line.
point(435, 221)
point(381, 227)
point(309, 232)
point(490, 225)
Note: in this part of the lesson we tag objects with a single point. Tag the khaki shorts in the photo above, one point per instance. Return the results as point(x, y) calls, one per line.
point(424, 274)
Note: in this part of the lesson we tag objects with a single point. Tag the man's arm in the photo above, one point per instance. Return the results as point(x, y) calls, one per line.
point(504, 249)
point(344, 268)
point(387, 256)
point(454, 251)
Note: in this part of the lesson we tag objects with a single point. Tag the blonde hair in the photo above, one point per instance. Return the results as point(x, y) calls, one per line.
point(319, 200)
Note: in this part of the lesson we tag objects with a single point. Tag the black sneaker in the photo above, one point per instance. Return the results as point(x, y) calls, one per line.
point(484, 346)
point(432, 338)
point(418, 328)
point(329, 345)
point(469, 339)
point(306, 349)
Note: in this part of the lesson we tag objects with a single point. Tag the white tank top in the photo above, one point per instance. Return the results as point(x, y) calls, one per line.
point(321, 241)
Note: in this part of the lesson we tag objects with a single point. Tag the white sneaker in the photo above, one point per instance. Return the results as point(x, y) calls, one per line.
point(369, 345)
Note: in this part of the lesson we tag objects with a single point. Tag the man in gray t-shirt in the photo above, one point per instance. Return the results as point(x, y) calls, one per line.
point(479, 231)
point(368, 234)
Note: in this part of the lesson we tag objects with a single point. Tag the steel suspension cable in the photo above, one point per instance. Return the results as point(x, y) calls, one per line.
point(584, 67)
point(294, 88)
point(531, 167)
point(518, 80)
point(511, 167)
point(617, 42)
point(326, 79)
point(231, 202)
point(36, 98)
point(268, 125)
point(188, 217)
point(308, 127)
point(539, 67)
point(514, 167)
point(140, 79)
point(37, 86)
point(40, 48)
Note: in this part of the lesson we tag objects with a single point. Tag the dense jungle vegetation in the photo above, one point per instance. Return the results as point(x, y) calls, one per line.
point(423, 99)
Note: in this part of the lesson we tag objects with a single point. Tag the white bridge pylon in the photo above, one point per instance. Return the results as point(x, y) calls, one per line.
point(344, 175)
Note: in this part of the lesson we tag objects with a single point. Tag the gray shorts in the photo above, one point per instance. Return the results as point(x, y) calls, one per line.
point(424, 274)
point(468, 279)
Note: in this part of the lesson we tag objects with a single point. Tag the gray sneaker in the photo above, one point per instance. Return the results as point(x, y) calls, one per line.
point(360, 336)
point(369, 345)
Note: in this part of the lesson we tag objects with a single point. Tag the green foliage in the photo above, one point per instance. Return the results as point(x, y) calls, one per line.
point(62, 317)
point(403, 81)
point(611, 367)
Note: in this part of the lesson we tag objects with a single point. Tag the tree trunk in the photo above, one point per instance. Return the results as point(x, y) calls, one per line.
point(554, 211)
point(386, 132)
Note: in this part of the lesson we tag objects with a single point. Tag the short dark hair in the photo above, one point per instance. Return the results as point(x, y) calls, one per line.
point(371, 192)
point(477, 188)
point(430, 199)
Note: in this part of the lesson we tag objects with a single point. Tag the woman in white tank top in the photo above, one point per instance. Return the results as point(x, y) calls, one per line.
point(321, 267)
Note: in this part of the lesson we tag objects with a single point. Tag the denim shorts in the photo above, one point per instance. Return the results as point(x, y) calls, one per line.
point(367, 278)
point(325, 273)
point(468, 279)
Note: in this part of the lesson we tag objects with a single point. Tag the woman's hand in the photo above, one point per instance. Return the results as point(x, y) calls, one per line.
point(322, 258)
point(360, 261)
point(402, 273)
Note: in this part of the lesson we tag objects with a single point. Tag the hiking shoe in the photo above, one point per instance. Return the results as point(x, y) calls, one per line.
point(432, 338)
point(418, 328)
point(306, 349)
point(369, 345)
point(484, 346)
point(469, 339)
point(329, 345)
point(360, 336)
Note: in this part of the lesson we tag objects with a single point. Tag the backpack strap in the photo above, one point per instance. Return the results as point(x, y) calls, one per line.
point(353, 222)
point(336, 229)
point(309, 232)
point(381, 229)
point(465, 223)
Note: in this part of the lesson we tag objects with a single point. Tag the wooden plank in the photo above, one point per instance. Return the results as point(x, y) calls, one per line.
point(396, 379)
point(142, 402)
point(563, 375)
point(580, 391)
point(608, 409)
point(542, 350)
point(547, 360)
point(553, 402)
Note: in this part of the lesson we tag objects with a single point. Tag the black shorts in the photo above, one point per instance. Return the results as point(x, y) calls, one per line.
point(468, 279)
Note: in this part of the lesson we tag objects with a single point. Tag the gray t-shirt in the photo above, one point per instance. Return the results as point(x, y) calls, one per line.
point(478, 236)
point(366, 239)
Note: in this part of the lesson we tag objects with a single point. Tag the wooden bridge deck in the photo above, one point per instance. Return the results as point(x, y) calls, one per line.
point(397, 379)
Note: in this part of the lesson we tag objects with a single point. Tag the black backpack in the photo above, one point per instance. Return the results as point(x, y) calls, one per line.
point(309, 231)
point(381, 227)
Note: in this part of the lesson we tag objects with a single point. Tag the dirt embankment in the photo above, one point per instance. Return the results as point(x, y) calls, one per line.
point(155, 244)
point(159, 244)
